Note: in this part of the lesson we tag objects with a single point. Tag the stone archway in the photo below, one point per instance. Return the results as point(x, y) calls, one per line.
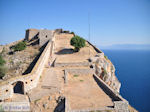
point(18, 87)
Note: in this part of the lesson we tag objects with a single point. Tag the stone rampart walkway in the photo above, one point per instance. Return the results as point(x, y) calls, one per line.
point(49, 84)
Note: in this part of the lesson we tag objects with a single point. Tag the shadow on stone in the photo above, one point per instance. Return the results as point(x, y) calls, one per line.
point(61, 106)
point(106, 90)
point(35, 37)
point(65, 51)
point(19, 87)
point(53, 63)
point(29, 69)
point(11, 53)
point(36, 42)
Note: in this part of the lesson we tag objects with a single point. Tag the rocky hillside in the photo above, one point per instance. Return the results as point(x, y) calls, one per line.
point(106, 71)
point(17, 62)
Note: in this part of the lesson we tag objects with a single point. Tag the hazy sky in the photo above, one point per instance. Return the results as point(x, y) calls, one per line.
point(112, 21)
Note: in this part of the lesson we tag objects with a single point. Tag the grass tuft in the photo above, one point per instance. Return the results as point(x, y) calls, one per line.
point(75, 75)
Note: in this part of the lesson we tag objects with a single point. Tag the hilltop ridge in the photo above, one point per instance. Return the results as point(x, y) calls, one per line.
point(64, 80)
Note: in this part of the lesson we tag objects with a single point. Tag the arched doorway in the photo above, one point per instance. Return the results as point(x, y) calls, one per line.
point(18, 87)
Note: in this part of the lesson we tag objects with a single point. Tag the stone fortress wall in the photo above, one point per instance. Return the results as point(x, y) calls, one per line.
point(29, 81)
point(31, 33)
point(43, 35)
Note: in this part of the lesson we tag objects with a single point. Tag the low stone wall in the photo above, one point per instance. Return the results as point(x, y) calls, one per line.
point(67, 106)
point(77, 71)
point(96, 49)
point(38, 68)
point(75, 64)
point(120, 104)
point(29, 80)
point(108, 90)
point(80, 71)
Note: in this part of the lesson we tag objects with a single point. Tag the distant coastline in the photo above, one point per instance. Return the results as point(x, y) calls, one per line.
point(126, 47)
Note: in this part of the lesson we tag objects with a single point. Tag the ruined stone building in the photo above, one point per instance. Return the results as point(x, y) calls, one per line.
point(43, 35)
point(65, 81)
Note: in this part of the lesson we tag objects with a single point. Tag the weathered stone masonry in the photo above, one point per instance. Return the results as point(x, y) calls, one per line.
point(43, 35)
point(29, 80)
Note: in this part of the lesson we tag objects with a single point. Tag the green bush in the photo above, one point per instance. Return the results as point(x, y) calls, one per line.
point(3, 51)
point(20, 46)
point(106, 57)
point(72, 33)
point(3, 71)
point(77, 42)
point(105, 72)
point(66, 31)
point(76, 75)
point(2, 61)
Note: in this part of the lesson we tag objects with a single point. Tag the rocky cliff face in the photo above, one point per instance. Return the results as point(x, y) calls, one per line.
point(106, 71)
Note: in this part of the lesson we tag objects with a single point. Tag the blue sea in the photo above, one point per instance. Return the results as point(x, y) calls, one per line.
point(133, 71)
